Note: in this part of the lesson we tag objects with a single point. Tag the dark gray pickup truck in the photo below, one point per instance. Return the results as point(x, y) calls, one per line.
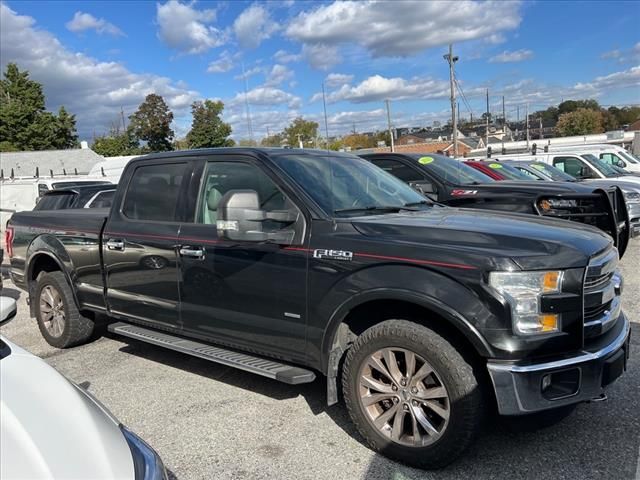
point(295, 263)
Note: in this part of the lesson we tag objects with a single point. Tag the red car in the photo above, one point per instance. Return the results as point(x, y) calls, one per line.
point(497, 170)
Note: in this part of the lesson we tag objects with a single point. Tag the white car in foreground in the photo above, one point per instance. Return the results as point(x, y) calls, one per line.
point(50, 428)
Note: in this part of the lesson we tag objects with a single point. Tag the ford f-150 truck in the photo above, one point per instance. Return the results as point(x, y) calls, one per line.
point(294, 263)
point(456, 184)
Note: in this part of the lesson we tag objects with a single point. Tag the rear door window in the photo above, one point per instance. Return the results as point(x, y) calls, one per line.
point(154, 191)
point(55, 201)
point(570, 165)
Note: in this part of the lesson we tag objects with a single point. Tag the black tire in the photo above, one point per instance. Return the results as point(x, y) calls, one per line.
point(539, 420)
point(465, 400)
point(75, 328)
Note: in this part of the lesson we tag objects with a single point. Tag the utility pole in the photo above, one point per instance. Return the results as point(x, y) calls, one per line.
point(540, 127)
point(246, 101)
point(486, 133)
point(517, 121)
point(389, 125)
point(504, 123)
point(454, 120)
point(527, 113)
point(299, 135)
point(326, 124)
point(124, 127)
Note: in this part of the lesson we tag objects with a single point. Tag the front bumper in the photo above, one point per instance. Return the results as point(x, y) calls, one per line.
point(519, 388)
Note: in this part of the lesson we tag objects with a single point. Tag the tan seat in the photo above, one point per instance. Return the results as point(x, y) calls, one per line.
point(210, 213)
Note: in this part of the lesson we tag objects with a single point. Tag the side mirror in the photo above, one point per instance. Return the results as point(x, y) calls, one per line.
point(423, 187)
point(585, 172)
point(241, 219)
point(621, 163)
point(8, 309)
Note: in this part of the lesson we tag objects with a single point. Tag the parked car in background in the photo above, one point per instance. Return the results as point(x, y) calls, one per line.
point(53, 429)
point(497, 170)
point(453, 182)
point(543, 171)
point(293, 263)
point(81, 196)
point(612, 154)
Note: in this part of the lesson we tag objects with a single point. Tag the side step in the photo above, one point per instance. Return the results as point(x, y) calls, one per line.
point(243, 361)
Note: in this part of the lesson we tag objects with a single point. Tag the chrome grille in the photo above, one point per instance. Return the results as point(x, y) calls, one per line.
point(601, 294)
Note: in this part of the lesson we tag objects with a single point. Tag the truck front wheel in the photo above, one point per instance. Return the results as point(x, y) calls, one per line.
point(60, 322)
point(411, 394)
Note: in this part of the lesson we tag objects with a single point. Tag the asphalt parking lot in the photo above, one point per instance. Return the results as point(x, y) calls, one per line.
point(211, 422)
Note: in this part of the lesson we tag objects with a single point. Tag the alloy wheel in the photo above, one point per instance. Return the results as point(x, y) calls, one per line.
point(52, 312)
point(404, 397)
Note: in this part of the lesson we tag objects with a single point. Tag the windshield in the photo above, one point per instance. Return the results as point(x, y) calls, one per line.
point(452, 171)
point(508, 172)
point(554, 173)
point(629, 157)
point(344, 185)
point(602, 166)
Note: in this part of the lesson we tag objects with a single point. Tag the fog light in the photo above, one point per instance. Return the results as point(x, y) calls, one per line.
point(557, 385)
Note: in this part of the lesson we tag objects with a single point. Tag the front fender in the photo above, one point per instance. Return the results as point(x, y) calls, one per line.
point(446, 296)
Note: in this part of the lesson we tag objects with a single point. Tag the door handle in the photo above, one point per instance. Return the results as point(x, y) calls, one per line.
point(192, 252)
point(113, 244)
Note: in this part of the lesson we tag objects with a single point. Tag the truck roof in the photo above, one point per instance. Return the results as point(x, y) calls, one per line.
point(269, 151)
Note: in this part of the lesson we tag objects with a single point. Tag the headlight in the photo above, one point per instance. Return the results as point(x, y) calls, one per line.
point(146, 462)
point(523, 291)
point(632, 197)
point(548, 204)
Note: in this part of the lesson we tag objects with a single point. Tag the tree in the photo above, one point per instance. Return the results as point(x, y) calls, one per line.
point(247, 142)
point(581, 122)
point(569, 106)
point(152, 123)
point(24, 123)
point(208, 129)
point(275, 140)
point(300, 129)
point(117, 144)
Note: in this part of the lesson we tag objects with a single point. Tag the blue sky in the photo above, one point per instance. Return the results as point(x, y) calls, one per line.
point(97, 58)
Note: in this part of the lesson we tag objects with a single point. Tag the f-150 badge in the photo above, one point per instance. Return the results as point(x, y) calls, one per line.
point(333, 254)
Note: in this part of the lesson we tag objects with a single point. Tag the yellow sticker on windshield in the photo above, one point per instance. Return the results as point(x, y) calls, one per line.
point(495, 165)
point(425, 160)
point(538, 167)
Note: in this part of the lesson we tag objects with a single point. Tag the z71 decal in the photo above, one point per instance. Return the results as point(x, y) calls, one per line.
point(333, 254)
point(461, 193)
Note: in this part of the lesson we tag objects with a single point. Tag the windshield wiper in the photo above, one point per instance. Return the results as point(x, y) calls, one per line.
point(376, 208)
point(415, 204)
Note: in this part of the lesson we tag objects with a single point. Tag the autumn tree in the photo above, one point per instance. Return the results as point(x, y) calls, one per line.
point(276, 140)
point(208, 129)
point(580, 122)
point(24, 122)
point(300, 130)
point(152, 123)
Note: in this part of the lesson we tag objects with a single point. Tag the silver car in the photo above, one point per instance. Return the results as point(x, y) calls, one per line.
point(53, 429)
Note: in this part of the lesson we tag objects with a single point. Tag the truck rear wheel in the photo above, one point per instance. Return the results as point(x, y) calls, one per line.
point(411, 394)
point(60, 322)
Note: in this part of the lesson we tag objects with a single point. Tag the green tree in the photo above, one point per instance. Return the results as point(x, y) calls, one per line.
point(300, 129)
point(117, 144)
point(152, 123)
point(208, 129)
point(24, 123)
point(247, 142)
point(569, 106)
point(580, 122)
point(275, 140)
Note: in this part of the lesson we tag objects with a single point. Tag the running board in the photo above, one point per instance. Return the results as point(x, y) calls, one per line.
point(242, 361)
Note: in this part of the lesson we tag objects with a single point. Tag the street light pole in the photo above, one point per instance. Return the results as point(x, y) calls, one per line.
point(454, 118)
point(389, 125)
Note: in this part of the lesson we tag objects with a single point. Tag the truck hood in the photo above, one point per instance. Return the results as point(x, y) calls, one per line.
point(51, 429)
point(531, 242)
point(552, 188)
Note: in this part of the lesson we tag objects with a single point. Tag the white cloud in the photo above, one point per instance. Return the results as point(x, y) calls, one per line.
point(615, 54)
point(267, 96)
point(249, 73)
point(253, 26)
point(512, 57)
point(378, 88)
point(93, 90)
point(85, 21)
point(403, 28)
point(278, 75)
point(321, 56)
point(337, 79)
point(187, 29)
point(625, 79)
point(225, 62)
point(623, 56)
point(282, 56)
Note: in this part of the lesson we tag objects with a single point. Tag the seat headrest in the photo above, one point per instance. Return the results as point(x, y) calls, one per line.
point(213, 199)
